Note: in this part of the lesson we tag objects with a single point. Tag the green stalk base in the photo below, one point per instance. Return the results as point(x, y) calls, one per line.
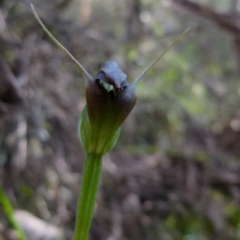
point(9, 211)
point(88, 192)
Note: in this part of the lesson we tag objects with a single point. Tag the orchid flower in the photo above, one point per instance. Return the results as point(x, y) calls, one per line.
point(109, 100)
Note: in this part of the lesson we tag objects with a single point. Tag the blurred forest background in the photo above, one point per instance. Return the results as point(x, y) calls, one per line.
point(175, 172)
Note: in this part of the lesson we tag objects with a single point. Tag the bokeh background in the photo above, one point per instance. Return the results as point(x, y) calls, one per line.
point(175, 171)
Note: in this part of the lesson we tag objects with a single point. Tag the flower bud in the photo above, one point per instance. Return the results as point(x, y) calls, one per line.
point(109, 101)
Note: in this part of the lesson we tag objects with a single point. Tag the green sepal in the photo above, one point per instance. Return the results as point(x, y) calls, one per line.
point(84, 129)
point(96, 141)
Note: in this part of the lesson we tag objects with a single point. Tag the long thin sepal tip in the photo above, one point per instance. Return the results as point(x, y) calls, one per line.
point(160, 56)
point(83, 71)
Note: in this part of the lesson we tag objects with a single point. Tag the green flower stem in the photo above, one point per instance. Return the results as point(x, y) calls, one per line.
point(8, 209)
point(89, 187)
